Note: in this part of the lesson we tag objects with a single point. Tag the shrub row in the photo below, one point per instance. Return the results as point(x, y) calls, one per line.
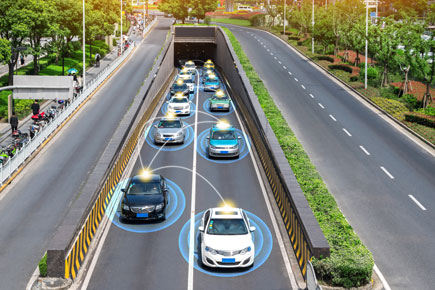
point(421, 119)
point(350, 263)
point(324, 57)
point(342, 67)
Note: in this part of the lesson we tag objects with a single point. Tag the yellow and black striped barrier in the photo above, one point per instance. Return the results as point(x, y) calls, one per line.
point(80, 247)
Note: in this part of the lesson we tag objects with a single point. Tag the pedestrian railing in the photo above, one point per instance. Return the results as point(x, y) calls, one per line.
point(14, 163)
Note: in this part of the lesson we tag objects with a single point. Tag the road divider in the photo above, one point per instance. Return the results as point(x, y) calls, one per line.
point(72, 240)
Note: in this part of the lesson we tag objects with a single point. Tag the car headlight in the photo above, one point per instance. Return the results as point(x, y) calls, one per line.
point(126, 207)
point(160, 206)
point(245, 250)
point(180, 134)
point(212, 251)
point(235, 146)
point(212, 147)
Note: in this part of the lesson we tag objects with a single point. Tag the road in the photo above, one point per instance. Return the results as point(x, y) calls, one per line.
point(34, 204)
point(156, 255)
point(368, 165)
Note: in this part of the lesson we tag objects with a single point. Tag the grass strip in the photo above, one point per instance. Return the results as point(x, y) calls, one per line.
point(241, 22)
point(350, 263)
point(42, 265)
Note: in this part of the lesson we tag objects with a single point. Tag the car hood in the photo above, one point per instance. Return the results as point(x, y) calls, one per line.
point(169, 130)
point(223, 142)
point(142, 200)
point(219, 101)
point(212, 83)
point(228, 243)
point(179, 104)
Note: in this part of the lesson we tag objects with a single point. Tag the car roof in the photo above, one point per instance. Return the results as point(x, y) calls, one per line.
point(216, 128)
point(170, 119)
point(225, 213)
point(151, 178)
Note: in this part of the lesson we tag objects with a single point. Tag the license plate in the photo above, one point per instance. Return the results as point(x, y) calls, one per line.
point(142, 215)
point(220, 107)
point(178, 111)
point(224, 152)
point(228, 260)
point(168, 139)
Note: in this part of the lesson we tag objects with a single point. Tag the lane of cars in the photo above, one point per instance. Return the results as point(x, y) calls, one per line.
point(229, 241)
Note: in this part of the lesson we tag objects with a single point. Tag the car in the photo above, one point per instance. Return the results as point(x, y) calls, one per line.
point(179, 86)
point(190, 67)
point(169, 130)
point(220, 101)
point(226, 238)
point(144, 198)
point(187, 78)
point(209, 64)
point(223, 141)
point(211, 83)
point(179, 105)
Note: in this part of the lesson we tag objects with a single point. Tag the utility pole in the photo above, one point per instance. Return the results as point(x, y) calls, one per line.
point(285, 10)
point(312, 33)
point(122, 40)
point(84, 48)
point(367, 43)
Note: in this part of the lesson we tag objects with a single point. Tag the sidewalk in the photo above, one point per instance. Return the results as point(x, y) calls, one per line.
point(24, 124)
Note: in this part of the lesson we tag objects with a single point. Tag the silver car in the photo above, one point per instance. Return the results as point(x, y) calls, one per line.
point(169, 130)
point(179, 105)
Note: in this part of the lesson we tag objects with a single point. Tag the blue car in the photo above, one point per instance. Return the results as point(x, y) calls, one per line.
point(211, 83)
point(223, 141)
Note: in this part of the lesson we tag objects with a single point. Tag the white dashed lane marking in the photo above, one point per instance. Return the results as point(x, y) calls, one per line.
point(289, 73)
point(333, 118)
point(312, 96)
point(347, 132)
point(365, 150)
point(321, 106)
point(296, 79)
point(387, 173)
point(284, 67)
point(279, 62)
point(416, 202)
point(303, 87)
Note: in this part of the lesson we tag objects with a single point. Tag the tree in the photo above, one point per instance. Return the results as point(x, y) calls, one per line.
point(323, 28)
point(201, 7)
point(5, 50)
point(13, 28)
point(354, 38)
point(272, 11)
point(383, 42)
point(178, 9)
point(303, 17)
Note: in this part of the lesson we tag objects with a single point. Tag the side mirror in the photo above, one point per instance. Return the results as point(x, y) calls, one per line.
point(155, 126)
point(190, 102)
point(123, 190)
point(239, 137)
point(208, 137)
point(167, 102)
point(252, 229)
point(201, 228)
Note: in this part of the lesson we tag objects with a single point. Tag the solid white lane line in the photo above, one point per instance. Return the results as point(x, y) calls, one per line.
point(347, 132)
point(193, 197)
point(296, 79)
point(269, 209)
point(364, 149)
point(387, 173)
point(290, 73)
point(333, 118)
point(303, 87)
point(284, 67)
point(384, 282)
point(321, 106)
point(312, 96)
point(416, 202)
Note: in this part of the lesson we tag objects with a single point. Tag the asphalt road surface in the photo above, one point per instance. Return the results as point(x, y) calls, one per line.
point(377, 174)
point(156, 255)
point(34, 204)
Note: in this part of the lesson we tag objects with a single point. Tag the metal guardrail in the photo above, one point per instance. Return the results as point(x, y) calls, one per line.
point(13, 163)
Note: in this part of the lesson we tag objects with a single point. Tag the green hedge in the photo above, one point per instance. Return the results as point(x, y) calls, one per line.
point(324, 57)
point(350, 263)
point(421, 119)
point(342, 67)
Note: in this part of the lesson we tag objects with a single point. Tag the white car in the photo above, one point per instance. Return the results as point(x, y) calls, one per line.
point(226, 238)
point(179, 105)
point(187, 78)
point(190, 67)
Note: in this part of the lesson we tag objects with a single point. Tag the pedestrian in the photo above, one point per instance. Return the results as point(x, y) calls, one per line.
point(35, 108)
point(22, 59)
point(14, 123)
point(97, 59)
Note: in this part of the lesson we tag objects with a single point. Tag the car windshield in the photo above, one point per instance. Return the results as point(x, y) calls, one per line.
point(211, 80)
point(218, 98)
point(180, 87)
point(144, 188)
point(190, 64)
point(179, 100)
point(227, 227)
point(223, 135)
point(184, 73)
point(169, 124)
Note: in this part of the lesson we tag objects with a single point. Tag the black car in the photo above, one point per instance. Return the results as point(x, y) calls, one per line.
point(179, 87)
point(145, 198)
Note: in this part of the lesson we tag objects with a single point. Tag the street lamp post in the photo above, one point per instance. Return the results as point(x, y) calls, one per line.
point(312, 33)
point(122, 42)
point(367, 43)
point(84, 49)
point(285, 9)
